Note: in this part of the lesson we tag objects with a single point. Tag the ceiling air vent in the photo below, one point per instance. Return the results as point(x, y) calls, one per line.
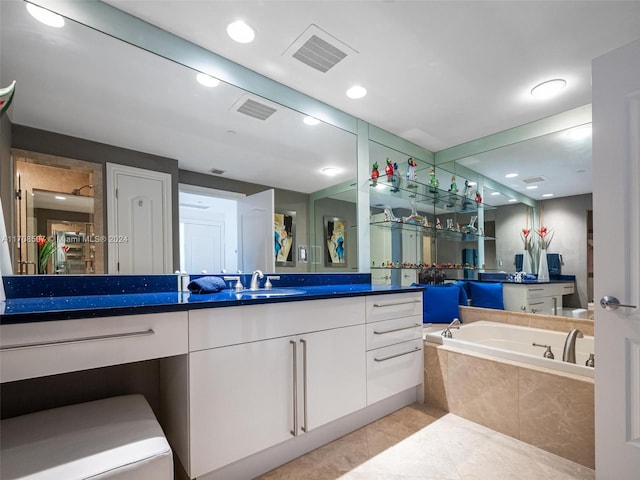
point(256, 110)
point(216, 171)
point(318, 49)
point(531, 180)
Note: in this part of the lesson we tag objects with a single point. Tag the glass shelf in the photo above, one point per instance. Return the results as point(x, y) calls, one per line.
point(425, 268)
point(433, 200)
point(453, 235)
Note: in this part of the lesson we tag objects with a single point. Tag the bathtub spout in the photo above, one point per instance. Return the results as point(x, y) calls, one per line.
point(569, 352)
point(447, 332)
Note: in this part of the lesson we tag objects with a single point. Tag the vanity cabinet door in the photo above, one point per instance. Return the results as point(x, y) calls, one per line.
point(241, 401)
point(335, 371)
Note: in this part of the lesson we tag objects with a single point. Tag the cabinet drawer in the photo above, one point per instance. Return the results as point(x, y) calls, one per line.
point(390, 332)
point(539, 291)
point(46, 348)
point(217, 327)
point(393, 369)
point(387, 307)
point(565, 289)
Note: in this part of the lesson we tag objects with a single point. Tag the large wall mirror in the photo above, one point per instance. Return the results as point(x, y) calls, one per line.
point(130, 106)
point(552, 189)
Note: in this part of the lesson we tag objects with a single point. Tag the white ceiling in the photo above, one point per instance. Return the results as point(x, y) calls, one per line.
point(438, 74)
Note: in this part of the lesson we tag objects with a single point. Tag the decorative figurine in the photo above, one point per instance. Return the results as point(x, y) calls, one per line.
point(389, 170)
point(433, 181)
point(470, 228)
point(389, 216)
point(478, 197)
point(411, 173)
point(438, 223)
point(453, 191)
point(466, 192)
point(374, 174)
point(395, 182)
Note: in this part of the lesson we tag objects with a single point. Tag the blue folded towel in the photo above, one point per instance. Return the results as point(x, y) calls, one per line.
point(207, 285)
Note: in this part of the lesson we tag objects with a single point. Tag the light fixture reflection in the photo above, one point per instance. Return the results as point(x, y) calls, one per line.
point(207, 80)
point(330, 171)
point(311, 121)
point(356, 92)
point(45, 16)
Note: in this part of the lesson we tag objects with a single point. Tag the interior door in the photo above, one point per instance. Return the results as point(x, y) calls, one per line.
point(616, 201)
point(203, 246)
point(139, 220)
point(255, 232)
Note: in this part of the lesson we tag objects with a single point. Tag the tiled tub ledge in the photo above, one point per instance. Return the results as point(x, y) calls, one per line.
point(534, 320)
point(550, 410)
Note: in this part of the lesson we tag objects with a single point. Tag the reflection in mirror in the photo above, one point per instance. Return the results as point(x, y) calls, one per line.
point(555, 171)
point(55, 203)
point(141, 110)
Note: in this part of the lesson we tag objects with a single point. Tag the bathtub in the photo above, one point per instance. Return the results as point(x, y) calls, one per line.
point(513, 342)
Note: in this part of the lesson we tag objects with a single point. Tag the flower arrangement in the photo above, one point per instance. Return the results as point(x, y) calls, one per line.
point(46, 248)
point(524, 235)
point(546, 236)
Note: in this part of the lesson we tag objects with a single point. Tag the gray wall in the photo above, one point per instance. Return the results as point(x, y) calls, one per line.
point(329, 207)
point(6, 187)
point(567, 217)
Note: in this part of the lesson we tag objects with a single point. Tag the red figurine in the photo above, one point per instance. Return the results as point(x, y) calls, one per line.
point(478, 197)
point(375, 173)
point(389, 170)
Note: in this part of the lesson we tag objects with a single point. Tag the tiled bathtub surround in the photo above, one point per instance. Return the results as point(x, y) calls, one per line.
point(550, 410)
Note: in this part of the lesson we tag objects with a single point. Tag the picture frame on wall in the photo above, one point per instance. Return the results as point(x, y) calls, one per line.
point(284, 235)
point(335, 234)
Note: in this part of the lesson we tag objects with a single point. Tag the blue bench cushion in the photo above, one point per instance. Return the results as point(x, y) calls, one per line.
point(486, 295)
point(440, 302)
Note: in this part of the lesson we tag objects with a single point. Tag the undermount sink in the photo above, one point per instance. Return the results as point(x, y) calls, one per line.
point(264, 293)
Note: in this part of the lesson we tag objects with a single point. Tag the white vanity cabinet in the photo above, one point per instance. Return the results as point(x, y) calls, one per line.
point(545, 298)
point(262, 374)
point(394, 344)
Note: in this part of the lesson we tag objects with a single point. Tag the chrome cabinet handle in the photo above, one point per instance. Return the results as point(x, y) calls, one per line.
point(294, 432)
point(384, 359)
point(612, 303)
point(375, 332)
point(67, 341)
point(304, 384)
point(379, 305)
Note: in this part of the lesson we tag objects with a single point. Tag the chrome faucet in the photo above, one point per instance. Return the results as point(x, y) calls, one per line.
point(447, 332)
point(254, 279)
point(569, 352)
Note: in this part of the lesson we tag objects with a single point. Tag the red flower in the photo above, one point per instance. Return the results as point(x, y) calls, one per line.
point(526, 231)
point(41, 241)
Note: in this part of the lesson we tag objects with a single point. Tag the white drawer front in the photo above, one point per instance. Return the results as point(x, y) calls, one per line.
point(565, 289)
point(390, 332)
point(393, 369)
point(47, 348)
point(396, 305)
point(217, 327)
point(539, 291)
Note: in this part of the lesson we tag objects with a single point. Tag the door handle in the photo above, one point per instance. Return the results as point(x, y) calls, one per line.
point(294, 432)
point(305, 423)
point(612, 303)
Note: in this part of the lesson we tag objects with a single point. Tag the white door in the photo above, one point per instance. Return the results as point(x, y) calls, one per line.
point(616, 201)
point(255, 233)
point(139, 220)
point(203, 245)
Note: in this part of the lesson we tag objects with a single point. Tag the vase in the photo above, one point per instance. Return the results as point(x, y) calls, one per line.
point(526, 262)
point(543, 267)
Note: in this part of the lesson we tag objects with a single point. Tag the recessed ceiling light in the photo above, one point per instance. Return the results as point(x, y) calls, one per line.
point(45, 16)
point(241, 32)
point(472, 184)
point(495, 193)
point(231, 132)
point(207, 80)
point(511, 175)
point(548, 195)
point(330, 171)
point(532, 187)
point(356, 92)
point(549, 88)
point(512, 200)
point(311, 121)
point(60, 197)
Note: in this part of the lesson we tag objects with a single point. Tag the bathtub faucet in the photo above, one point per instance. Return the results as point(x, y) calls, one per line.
point(569, 352)
point(447, 331)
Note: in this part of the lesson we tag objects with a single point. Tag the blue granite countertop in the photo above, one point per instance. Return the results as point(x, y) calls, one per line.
point(119, 295)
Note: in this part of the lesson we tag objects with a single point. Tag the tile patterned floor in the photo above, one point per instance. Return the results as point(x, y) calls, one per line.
point(418, 443)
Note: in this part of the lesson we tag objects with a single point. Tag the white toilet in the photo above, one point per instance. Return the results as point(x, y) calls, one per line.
point(116, 438)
